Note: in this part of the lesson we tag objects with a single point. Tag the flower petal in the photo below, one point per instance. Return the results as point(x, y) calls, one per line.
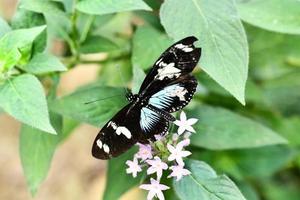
point(182, 116)
point(192, 121)
point(181, 130)
point(190, 128)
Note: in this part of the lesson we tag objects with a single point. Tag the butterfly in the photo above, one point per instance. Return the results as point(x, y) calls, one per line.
point(168, 87)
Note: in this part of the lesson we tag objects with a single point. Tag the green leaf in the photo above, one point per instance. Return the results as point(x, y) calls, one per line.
point(23, 98)
point(96, 44)
point(205, 184)
point(28, 19)
point(279, 191)
point(150, 42)
point(58, 21)
point(36, 151)
point(118, 181)
point(221, 35)
point(250, 163)
point(219, 128)
point(12, 43)
point(100, 7)
point(44, 63)
point(96, 113)
point(117, 73)
point(273, 15)
point(4, 27)
point(69, 125)
point(138, 78)
point(46, 6)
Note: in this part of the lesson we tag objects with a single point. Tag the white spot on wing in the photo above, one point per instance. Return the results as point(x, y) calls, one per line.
point(99, 143)
point(106, 148)
point(184, 48)
point(123, 130)
point(168, 71)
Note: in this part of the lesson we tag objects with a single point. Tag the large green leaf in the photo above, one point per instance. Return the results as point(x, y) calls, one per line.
point(118, 181)
point(4, 27)
point(96, 113)
point(13, 42)
point(23, 98)
point(96, 44)
point(205, 184)
point(44, 63)
point(36, 151)
point(150, 42)
point(219, 128)
point(221, 35)
point(274, 15)
point(100, 7)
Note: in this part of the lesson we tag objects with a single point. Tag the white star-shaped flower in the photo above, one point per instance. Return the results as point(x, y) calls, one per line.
point(145, 152)
point(178, 171)
point(157, 166)
point(133, 167)
point(155, 189)
point(185, 124)
point(177, 153)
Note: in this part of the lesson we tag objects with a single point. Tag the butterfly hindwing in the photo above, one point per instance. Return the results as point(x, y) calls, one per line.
point(118, 135)
point(130, 125)
point(176, 95)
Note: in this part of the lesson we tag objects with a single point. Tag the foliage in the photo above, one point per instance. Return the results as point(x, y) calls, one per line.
point(256, 145)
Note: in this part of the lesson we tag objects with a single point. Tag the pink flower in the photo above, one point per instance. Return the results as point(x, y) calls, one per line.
point(185, 124)
point(133, 167)
point(145, 152)
point(177, 153)
point(157, 166)
point(178, 171)
point(155, 189)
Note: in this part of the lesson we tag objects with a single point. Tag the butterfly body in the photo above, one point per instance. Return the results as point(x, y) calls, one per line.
point(167, 88)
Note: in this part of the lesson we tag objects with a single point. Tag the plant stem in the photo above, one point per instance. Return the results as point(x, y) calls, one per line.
point(86, 28)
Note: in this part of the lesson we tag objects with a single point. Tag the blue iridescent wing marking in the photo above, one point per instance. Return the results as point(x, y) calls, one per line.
point(174, 97)
point(152, 123)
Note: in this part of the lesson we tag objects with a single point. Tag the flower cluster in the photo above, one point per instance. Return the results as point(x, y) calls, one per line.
point(167, 153)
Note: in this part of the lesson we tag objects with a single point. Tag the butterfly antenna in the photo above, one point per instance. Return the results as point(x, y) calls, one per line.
point(103, 99)
point(122, 79)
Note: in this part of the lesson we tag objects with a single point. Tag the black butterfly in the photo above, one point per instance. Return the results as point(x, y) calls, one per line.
point(168, 87)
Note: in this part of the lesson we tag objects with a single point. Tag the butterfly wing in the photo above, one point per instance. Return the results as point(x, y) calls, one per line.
point(178, 60)
point(130, 125)
point(176, 95)
point(118, 135)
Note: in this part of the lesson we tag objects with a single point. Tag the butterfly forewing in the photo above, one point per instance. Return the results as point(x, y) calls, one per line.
point(178, 60)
